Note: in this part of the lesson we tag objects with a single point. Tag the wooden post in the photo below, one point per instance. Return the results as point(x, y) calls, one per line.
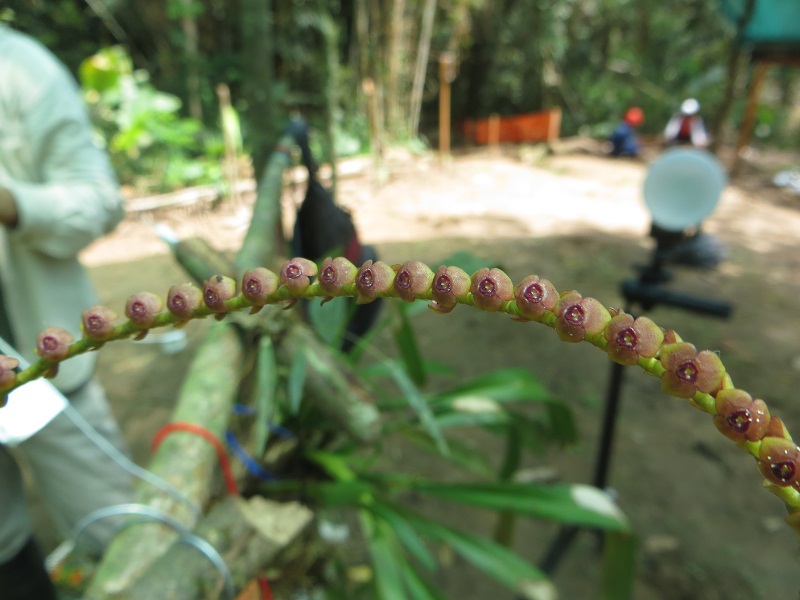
point(446, 76)
point(494, 132)
point(749, 114)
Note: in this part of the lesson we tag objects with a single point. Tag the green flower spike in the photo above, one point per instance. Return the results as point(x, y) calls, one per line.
point(373, 278)
point(535, 297)
point(577, 316)
point(491, 288)
point(449, 283)
point(257, 285)
point(688, 371)
point(336, 273)
point(739, 417)
point(143, 308)
point(98, 323)
point(52, 344)
point(628, 339)
point(778, 460)
point(216, 290)
point(295, 275)
point(183, 300)
point(412, 278)
point(8, 375)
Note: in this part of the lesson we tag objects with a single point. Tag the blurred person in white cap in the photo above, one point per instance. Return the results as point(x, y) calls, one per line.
point(686, 127)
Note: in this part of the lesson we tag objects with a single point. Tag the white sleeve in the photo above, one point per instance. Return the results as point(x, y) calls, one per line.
point(70, 195)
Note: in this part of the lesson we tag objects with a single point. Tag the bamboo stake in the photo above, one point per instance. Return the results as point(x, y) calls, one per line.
point(185, 460)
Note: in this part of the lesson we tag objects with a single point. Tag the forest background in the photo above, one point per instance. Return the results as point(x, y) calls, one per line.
point(364, 72)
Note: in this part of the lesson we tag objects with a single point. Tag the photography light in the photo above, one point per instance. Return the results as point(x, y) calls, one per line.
point(682, 187)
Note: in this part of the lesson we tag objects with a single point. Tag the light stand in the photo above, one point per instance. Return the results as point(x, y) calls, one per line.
point(647, 291)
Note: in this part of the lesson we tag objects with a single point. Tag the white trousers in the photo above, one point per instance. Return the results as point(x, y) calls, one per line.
point(73, 475)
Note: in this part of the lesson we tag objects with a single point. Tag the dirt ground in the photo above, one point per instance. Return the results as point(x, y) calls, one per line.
point(706, 529)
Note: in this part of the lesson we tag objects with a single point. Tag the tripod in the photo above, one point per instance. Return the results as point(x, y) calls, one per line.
point(646, 292)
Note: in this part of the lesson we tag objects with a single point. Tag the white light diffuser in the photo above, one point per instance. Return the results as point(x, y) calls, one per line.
point(682, 187)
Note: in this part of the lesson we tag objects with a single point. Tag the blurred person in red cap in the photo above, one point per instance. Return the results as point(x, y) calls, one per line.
point(624, 141)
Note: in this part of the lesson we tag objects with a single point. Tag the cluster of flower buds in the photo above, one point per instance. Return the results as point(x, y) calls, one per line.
point(684, 371)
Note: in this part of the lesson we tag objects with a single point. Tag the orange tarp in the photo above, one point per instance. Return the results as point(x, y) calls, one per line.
point(529, 127)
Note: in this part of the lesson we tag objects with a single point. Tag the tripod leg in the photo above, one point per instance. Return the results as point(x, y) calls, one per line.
point(607, 431)
point(558, 549)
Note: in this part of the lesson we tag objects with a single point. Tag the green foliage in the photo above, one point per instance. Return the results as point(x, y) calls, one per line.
point(150, 143)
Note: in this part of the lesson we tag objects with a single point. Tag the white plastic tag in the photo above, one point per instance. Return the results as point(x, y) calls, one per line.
point(30, 407)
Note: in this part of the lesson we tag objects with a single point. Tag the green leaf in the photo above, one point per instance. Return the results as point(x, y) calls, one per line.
point(572, 504)
point(334, 464)
point(562, 423)
point(419, 405)
point(463, 455)
point(502, 385)
point(266, 383)
point(297, 381)
point(409, 350)
point(386, 557)
point(405, 534)
point(339, 494)
point(418, 588)
point(329, 320)
point(619, 566)
point(495, 560)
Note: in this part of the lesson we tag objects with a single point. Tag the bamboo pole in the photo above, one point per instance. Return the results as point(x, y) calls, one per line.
point(264, 242)
point(247, 534)
point(445, 66)
point(185, 460)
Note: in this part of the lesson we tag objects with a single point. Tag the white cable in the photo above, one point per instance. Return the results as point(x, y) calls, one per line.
point(126, 463)
point(110, 450)
point(148, 513)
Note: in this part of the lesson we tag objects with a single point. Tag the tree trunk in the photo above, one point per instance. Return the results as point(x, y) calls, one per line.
point(258, 70)
point(421, 66)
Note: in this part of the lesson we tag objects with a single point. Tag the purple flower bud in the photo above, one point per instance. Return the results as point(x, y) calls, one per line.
point(412, 278)
point(535, 296)
point(52, 344)
point(373, 278)
point(143, 308)
point(779, 460)
point(491, 288)
point(258, 284)
point(739, 417)
point(336, 273)
point(577, 316)
point(629, 339)
point(295, 274)
point(98, 322)
point(183, 300)
point(216, 290)
point(689, 371)
point(8, 376)
point(449, 284)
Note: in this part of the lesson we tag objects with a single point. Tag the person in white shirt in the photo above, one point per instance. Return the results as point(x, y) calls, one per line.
point(58, 193)
point(686, 127)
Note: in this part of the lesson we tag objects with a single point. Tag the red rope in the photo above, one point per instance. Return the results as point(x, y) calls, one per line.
point(204, 433)
point(266, 592)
